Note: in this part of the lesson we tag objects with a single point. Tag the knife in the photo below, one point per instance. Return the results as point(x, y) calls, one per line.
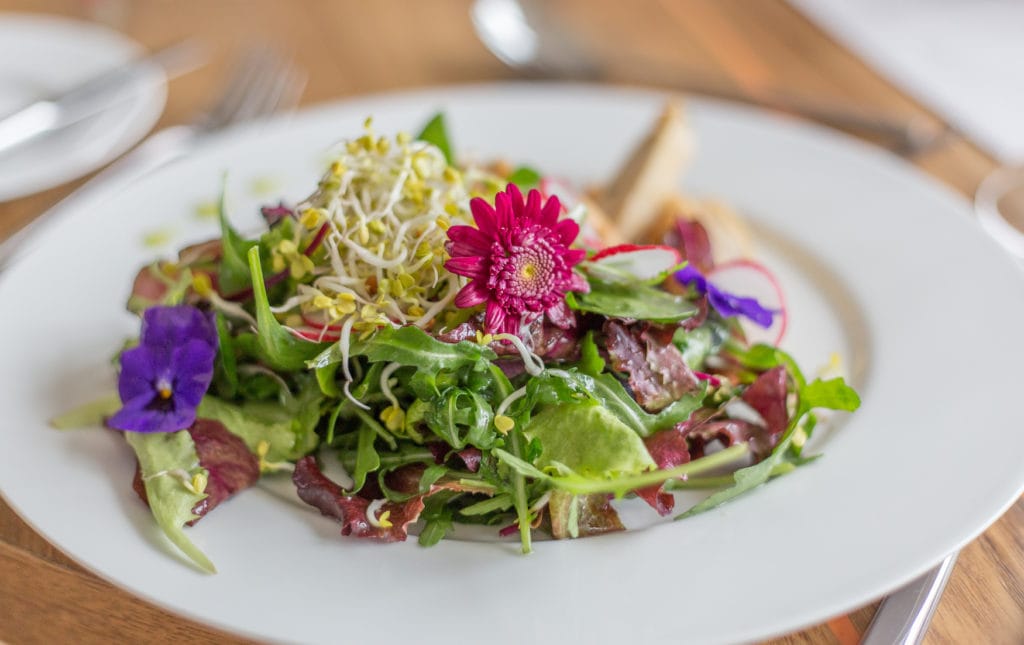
point(94, 95)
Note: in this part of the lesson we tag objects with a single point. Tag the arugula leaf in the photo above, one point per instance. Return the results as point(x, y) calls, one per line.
point(501, 502)
point(589, 439)
point(590, 362)
point(524, 177)
point(377, 428)
point(159, 454)
point(367, 459)
point(833, 394)
point(745, 479)
point(430, 476)
point(278, 347)
point(631, 300)
point(462, 417)
point(234, 271)
point(610, 392)
point(437, 515)
point(410, 346)
point(325, 379)
point(227, 362)
point(435, 132)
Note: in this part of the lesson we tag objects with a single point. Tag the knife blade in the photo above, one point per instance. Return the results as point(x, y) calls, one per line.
point(94, 95)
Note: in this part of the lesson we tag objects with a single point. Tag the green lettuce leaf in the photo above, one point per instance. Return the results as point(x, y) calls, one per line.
point(631, 300)
point(589, 439)
point(290, 431)
point(160, 454)
point(435, 132)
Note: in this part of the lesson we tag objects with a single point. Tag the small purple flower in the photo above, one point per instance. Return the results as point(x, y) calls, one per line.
point(725, 303)
point(163, 379)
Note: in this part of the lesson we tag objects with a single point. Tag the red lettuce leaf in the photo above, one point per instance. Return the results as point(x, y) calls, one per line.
point(317, 490)
point(768, 394)
point(657, 373)
point(691, 238)
point(668, 449)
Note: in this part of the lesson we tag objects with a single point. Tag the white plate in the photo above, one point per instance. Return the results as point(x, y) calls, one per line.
point(881, 263)
point(42, 56)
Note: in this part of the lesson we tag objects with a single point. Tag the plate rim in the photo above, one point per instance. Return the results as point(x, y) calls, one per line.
point(452, 94)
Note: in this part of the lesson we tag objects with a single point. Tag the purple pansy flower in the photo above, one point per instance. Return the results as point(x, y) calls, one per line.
point(163, 379)
point(725, 303)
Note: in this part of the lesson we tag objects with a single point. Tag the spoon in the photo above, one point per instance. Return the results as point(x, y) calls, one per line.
point(524, 36)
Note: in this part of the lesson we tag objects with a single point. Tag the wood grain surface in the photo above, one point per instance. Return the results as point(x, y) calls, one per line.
point(350, 47)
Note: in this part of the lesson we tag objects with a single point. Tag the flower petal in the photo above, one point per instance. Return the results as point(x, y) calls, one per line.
point(690, 276)
point(533, 210)
point(168, 327)
point(515, 198)
point(468, 266)
point(151, 420)
point(549, 214)
point(483, 215)
point(573, 257)
point(504, 217)
point(497, 320)
point(140, 367)
point(472, 294)
point(192, 365)
point(467, 240)
point(567, 230)
point(577, 283)
point(728, 304)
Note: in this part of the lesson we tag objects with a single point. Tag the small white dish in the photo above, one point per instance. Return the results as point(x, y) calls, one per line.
point(41, 56)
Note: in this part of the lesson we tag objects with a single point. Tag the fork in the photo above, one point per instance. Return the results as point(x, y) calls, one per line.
point(260, 84)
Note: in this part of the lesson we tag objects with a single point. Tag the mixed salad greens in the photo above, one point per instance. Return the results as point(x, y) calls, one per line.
point(448, 334)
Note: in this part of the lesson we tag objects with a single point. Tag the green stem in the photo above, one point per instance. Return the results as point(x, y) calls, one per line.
point(622, 485)
point(376, 427)
point(699, 483)
point(521, 502)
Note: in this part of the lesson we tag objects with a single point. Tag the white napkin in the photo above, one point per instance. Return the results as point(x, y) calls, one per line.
point(962, 58)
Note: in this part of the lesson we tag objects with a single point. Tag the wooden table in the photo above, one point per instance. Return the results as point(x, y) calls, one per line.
point(352, 47)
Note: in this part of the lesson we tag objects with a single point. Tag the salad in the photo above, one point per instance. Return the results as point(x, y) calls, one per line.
point(424, 341)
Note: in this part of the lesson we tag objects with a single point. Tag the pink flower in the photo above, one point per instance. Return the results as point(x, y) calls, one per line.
point(517, 258)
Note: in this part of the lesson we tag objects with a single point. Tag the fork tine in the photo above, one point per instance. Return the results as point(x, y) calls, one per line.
point(252, 77)
point(284, 93)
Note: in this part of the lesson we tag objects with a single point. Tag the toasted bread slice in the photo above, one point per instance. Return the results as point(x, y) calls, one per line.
point(730, 236)
point(634, 198)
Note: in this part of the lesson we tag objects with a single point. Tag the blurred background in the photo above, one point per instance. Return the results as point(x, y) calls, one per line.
point(936, 82)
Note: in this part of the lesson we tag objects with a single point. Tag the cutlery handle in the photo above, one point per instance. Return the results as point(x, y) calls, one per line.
point(904, 615)
point(157, 150)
